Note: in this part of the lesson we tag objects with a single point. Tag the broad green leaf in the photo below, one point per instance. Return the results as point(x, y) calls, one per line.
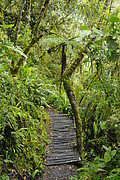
point(114, 152)
point(97, 31)
point(16, 50)
point(85, 33)
point(1, 137)
point(107, 157)
point(106, 148)
point(98, 43)
point(95, 129)
point(4, 177)
point(6, 26)
point(114, 19)
point(35, 172)
point(102, 125)
point(93, 36)
point(84, 28)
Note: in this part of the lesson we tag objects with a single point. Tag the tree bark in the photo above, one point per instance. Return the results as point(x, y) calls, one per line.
point(29, 13)
point(42, 13)
point(35, 39)
point(17, 29)
point(69, 71)
point(71, 96)
point(26, 52)
point(18, 22)
point(63, 66)
point(78, 121)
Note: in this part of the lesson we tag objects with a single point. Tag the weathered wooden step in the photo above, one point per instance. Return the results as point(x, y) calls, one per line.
point(62, 161)
point(67, 154)
point(62, 146)
point(58, 115)
point(64, 158)
point(60, 138)
point(62, 141)
point(61, 118)
point(60, 151)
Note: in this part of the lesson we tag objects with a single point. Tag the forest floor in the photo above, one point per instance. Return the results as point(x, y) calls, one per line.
point(63, 162)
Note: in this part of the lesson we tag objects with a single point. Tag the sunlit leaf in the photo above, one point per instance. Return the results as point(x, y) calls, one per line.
point(93, 36)
point(85, 33)
point(114, 152)
point(97, 31)
point(106, 148)
point(16, 50)
point(114, 19)
point(84, 28)
point(102, 125)
point(95, 129)
point(35, 172)
point(7, 26)
point(1, 137)
point(107, 157)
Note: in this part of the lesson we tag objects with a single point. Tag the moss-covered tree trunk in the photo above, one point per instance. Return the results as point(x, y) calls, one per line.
point(78, 121)
point(71, 96)
point(36, 36)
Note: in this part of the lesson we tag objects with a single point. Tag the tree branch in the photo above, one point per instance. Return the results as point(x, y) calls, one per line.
point(27, 52)
point(42, 13)
point(18, 22)
point(29, 12)
point(69, 71)
point(35, 39)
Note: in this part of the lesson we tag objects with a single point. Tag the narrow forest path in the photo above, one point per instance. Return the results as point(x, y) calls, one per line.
point(61, 162)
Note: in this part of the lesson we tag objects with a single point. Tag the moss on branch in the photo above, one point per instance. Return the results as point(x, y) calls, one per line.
point(26, 52)
point(69, 71)
point(78, 121)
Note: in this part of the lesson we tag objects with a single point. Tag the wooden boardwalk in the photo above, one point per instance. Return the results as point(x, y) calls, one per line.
point(62, 141)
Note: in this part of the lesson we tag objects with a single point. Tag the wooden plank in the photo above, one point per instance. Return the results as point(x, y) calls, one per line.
point(63, 141)
point(63, 137)
point(57, 115)
point(63, 155)
point(61, 118)
point(60, 151)
point(61, 146)
point(58, 162)
point(57, 159)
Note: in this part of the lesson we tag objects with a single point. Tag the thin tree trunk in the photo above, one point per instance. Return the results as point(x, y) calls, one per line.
point(17, 29)
point(63, 64)
point(69, 71)
point(34, 40)
point(29, 12)
point(78, 121)
point(26, 52)
point(18, 22)
point(71, 96)
point(42, 13)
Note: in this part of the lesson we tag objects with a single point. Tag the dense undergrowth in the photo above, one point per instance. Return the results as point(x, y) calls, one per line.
point(99, 110)
point(23, 122)
point(23, 126)
point(95, 82)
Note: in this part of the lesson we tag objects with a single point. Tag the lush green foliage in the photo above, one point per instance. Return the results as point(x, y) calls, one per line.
point(91, 27)
point(99, 169)
point(23, 123)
